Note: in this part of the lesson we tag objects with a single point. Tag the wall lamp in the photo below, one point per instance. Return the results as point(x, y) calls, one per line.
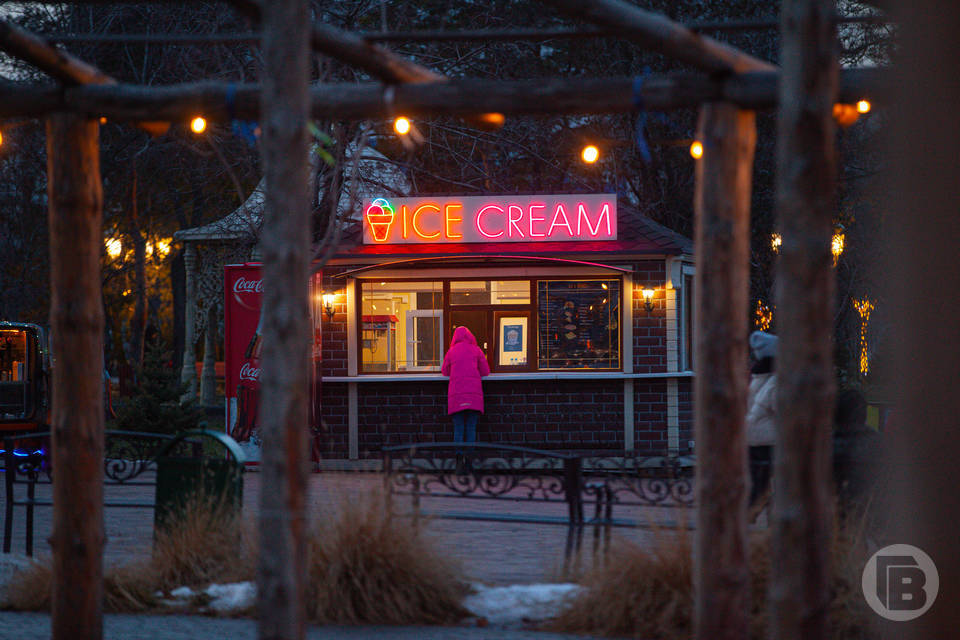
point(647, 293)
point(328, 305)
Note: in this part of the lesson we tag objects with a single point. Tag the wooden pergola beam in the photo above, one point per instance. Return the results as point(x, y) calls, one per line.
point(46, 57)
point(658, 33)
point(221, 101)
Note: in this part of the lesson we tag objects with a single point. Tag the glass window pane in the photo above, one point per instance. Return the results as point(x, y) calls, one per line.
point(401, 327)
point(579, 324)
point(490, 292)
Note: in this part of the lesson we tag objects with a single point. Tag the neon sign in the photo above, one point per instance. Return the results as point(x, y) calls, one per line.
point(440, 220)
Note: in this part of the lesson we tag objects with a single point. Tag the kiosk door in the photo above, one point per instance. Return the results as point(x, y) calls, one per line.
point(478, 321)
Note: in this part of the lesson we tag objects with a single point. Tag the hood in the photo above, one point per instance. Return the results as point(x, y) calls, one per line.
point(462, 334)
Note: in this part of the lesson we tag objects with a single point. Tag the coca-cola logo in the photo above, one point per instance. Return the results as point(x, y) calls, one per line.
point(248, 372)
point(242, 285)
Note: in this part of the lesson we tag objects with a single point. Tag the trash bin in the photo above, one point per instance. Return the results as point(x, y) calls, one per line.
point(214, 479)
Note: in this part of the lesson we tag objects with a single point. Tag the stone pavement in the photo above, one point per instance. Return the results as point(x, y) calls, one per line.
point(30, 626)
point(489, 552)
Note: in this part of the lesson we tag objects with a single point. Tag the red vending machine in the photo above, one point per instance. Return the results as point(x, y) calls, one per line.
point(243, 323)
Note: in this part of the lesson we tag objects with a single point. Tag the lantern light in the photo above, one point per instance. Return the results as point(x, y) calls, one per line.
point(590, 154)
point(401, 125)
point(103, 119)
point(1, 138)
point(328, 299)
point(198, 125)
point(863, 106)
point(696, 149)
point(647, 294)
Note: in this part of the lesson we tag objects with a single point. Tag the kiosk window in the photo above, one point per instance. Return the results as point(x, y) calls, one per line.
point(578, 324)
point(401, 326)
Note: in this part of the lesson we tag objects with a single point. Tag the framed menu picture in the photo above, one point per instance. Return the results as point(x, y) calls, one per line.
point(512, 340)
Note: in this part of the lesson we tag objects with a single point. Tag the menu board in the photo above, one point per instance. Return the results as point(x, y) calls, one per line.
point(579, 324)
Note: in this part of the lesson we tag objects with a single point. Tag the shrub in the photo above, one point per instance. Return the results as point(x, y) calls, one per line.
point(155, 404)
point(648, 592)
point(204, 544)
point(367, 566)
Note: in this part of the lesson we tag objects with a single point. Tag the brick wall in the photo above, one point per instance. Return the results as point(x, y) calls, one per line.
point(564, 414)
point(649, 328)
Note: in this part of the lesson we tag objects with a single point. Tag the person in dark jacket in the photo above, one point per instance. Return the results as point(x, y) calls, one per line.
point(465, 364)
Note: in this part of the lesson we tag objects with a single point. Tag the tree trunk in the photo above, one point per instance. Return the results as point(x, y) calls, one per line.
point(806, 183)
point(722, 208)
point(921, 281)
point(138, 322)
point(286, 328)
point(76, 321)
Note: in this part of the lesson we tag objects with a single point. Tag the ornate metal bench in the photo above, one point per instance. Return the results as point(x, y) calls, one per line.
point(524, 475)
point(173, 464)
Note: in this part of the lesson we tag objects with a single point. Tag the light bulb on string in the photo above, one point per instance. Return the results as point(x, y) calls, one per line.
point(590, 154)
point(401, 125)
point(696, 149)
point(198, 125)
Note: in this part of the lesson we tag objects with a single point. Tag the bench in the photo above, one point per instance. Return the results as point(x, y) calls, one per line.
point(580, 483)
point(174, 465)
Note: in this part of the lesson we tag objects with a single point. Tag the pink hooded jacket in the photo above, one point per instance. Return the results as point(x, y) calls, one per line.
point(465, 364)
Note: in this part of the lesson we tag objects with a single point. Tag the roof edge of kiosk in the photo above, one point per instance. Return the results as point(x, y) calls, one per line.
point(479, 258)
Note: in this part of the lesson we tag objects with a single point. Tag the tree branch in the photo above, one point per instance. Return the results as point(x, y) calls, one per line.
point(659, 33)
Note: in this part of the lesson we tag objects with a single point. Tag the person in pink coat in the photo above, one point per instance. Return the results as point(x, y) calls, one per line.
point(465, 364)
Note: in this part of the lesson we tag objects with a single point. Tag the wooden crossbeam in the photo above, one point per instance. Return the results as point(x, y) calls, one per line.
point(52, 61)
point(657, 32)
point(221, 101)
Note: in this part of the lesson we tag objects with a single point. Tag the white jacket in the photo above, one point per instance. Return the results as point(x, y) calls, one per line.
point(762, 409)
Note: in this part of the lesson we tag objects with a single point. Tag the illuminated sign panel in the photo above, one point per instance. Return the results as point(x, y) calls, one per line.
point(452, 219)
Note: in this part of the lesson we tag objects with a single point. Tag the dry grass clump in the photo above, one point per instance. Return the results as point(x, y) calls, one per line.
point(637, 592)
point(205, 543)
point(648, 592)
point(126, 589)
point(367, 566)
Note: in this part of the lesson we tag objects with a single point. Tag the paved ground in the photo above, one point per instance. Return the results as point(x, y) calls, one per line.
point(30, 626)
point(489, 552)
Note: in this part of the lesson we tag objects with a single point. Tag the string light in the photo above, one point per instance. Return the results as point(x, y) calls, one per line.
point(114, 247)
point(1, 138)
point(845, 114)
point(401, 125)
point(836, 246)
point(696, 149)
point(762, 316)
point(198, 125)
point(864, 307)
point(863, 106)
point(590, 154)
point(776, 240)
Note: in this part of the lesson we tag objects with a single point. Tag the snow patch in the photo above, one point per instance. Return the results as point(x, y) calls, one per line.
point(231, 597)
point(519, 603)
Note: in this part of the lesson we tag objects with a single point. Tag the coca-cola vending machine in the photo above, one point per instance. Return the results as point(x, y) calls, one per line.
point(243, 324)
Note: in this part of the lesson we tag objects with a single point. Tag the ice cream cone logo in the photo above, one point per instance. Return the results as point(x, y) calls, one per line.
point(380, 218)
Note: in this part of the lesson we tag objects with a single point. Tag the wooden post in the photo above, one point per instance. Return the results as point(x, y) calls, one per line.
point(806, 183)
point(920, 284)
point(76, 319)
point(286, 328)
point(722, 209)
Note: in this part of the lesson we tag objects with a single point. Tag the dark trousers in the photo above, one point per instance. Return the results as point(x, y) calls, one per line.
point(465, 425)
point(761, 470)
